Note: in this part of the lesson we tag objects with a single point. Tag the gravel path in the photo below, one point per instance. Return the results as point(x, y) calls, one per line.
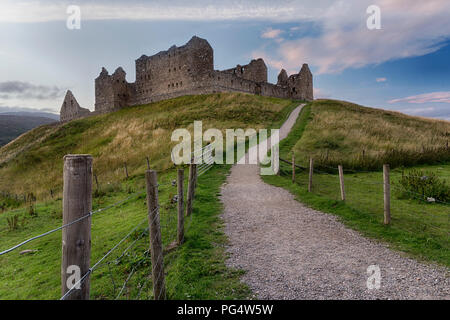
point(293, 252)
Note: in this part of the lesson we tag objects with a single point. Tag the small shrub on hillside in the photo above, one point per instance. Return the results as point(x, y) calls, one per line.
point(9, 201)
point(417, 184)
point(374, 162)
point(13, 222)
point(31, 198)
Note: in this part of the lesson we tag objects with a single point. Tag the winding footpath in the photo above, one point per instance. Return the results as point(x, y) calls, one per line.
point(290, 251)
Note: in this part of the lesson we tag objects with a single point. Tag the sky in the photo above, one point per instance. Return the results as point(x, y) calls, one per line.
point(403, 66)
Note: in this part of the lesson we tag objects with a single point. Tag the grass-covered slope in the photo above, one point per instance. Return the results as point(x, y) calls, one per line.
point(195, 270)
point(33, 162)
point(338, 132)
point(418, 227)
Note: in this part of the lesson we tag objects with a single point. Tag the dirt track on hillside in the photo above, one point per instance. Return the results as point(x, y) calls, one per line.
point(293, 252)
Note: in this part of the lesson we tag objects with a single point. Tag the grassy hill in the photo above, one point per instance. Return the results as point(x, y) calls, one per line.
point(33, 163)
point(196, 270)
point(12, 126)
point(337, 132)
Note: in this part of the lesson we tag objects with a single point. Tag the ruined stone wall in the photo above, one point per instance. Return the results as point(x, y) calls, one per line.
point(255, 71)
point(301, 85)
point(70, 109)
point(175, 71)
point(113, 92)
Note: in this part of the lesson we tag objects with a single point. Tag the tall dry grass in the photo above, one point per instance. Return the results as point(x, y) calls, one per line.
point(364, 138)
point(34, 162)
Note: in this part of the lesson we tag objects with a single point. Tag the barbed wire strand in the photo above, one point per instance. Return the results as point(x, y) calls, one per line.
point(91, 269)
point(90, 214)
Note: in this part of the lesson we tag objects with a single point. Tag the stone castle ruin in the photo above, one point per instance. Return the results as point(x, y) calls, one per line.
point(186, 70)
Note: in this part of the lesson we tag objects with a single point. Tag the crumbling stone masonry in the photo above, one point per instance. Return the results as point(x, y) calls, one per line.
point(188, 70)
point(71, 110)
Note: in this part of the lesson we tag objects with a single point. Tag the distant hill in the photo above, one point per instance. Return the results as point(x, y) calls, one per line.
point(39, 114)
point(12, 126)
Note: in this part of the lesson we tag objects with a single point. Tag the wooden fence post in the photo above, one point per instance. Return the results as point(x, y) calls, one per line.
point(180, 185)
point(341, 180)
point(76, 238)
point(148, 163)
point(191, 188)
point(293, 168)
point(159, 289)
point(311, 170)
point(126, 169)
point(387, 195)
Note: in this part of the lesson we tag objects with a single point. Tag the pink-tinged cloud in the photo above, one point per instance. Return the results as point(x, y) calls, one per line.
point(441, 97)
point(321, 94)
point(409, 28)
point(271, 33)
point(381, 79)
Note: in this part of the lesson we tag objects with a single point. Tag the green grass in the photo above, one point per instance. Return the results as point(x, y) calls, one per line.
point(199, 271)
point(195, 270)
point(33, 162)
point(418, 228)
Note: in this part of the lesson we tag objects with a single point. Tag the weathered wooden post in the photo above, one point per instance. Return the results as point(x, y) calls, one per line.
point(293, 168)
point(311, 170)
point(76, 238)
point(191, 188)
point(148, 163)
point(387, 195)
point(159, 289)
point(341, 180)
point(180, 187)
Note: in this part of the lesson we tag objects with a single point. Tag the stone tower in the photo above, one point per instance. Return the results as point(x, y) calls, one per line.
point(70, 109)
point(301, 84)
point(282, 78)
point(112, 92)
point(306, 83)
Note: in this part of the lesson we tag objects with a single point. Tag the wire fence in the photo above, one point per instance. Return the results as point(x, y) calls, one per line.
point(364, 192)
point(128, 263)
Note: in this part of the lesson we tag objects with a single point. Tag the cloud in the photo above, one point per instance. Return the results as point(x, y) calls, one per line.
point(320, 94)
point(409, 28)
point(204, 10)
point(381, 79)
point(442, 97)
point(271, 33)
point(26, 90)
point(436, 111)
